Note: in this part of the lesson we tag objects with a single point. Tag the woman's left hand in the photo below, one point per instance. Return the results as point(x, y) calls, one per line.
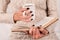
point(37, 32)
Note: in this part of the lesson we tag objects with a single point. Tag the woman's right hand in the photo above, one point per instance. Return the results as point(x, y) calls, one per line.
point(18, 16)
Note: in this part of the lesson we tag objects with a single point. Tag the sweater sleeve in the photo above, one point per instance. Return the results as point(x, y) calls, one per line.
point(5, 17)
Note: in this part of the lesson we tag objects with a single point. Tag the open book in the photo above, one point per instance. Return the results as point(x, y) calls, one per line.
point(44, 23)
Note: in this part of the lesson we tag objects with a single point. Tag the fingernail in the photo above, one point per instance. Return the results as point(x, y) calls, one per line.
point(33, 25)
point(27, 8)
point(31, 19)
point(40, 32)
point(38, 27)
point(32, 15)
point(27, 32)
point(30, 11)
point(48, 33)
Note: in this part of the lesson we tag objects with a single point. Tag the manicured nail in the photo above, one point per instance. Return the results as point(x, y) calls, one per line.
point(38, 27)
point(41, 32)
point(31, 19)
point(30, 11)
point(32, 15)
point(27, 32)
point(27, 8)
point(33, 25)
point(48, 33)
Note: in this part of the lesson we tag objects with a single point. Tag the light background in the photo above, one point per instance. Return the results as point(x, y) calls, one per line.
point(58, 7)
point(57, 28)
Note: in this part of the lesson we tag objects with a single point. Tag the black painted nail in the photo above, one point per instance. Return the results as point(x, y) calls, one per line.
point(27, 32)
point(30, 11)
point(41, 32)
point(31, 19)
point(38, 27)
point(33, 25)
point(27, 8)
point(32, 15)
point(48, 33)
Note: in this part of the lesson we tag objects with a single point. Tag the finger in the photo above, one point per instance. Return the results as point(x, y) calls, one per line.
point(27, 32)
point(41, 35)
point(38, 34)
point(34, 32)
point(31, 30)
point(24, 17)
point(28, 12)
point(25, 20)
point(24, 9)
point(27, 17)
point(28, 20)
point(44, 31)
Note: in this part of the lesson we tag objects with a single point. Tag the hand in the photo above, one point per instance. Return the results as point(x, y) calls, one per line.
point(18, 16)
point(37, 32)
